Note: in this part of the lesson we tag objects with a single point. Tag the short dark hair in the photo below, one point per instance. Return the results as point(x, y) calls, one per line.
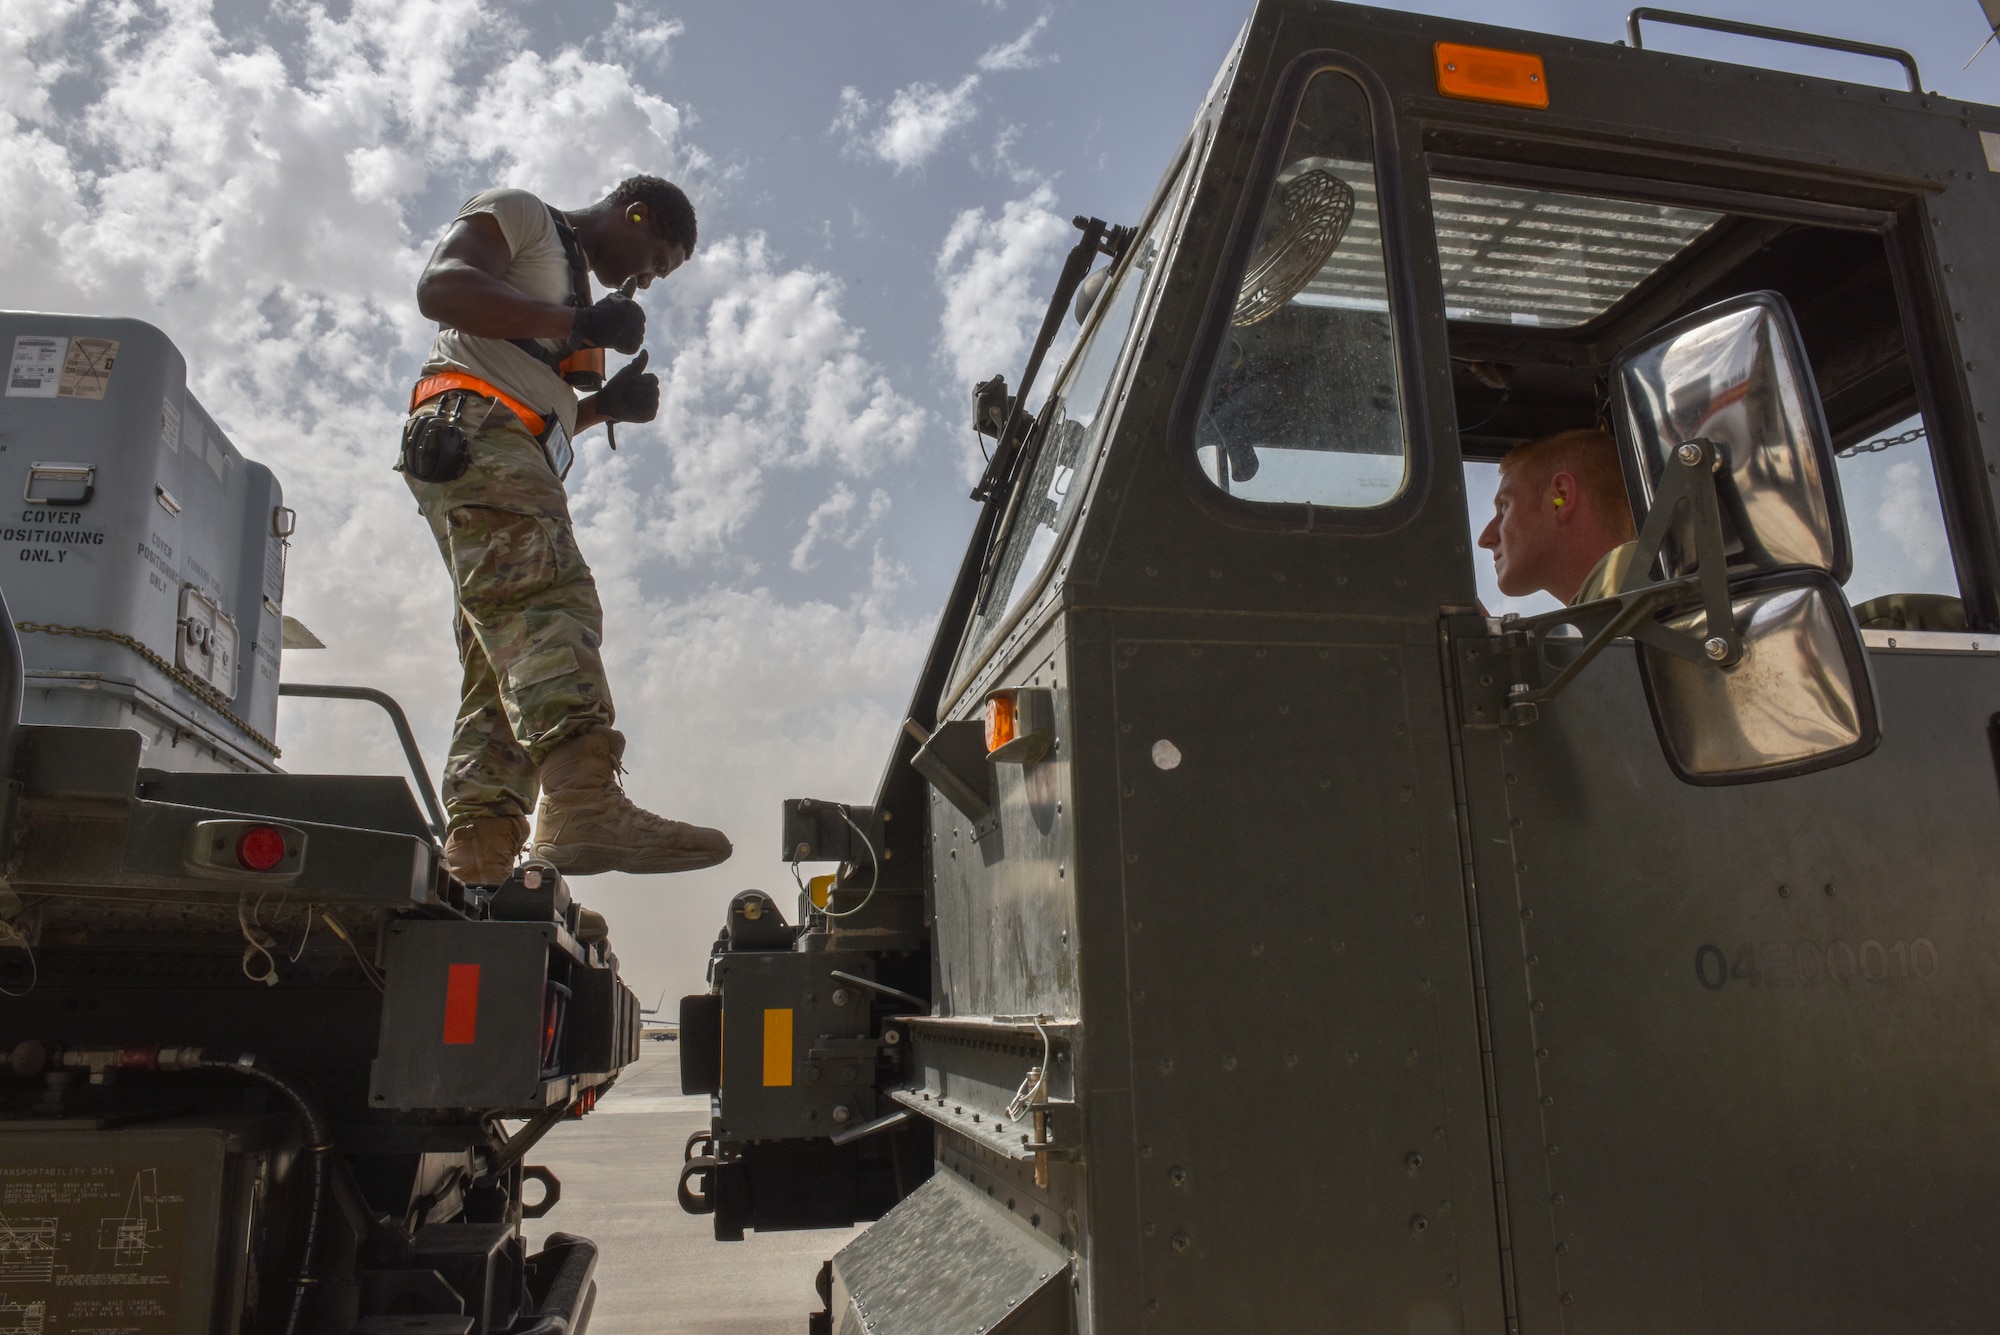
point(670, 216)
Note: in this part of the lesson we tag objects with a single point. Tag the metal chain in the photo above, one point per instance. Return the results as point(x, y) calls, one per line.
point(201, 690)
point(1881, 444)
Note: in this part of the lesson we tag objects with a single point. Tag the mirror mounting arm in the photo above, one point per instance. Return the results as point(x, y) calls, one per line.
point(1688, 484)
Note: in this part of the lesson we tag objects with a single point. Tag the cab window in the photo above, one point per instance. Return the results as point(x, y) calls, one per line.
point(1544, 288)
point(1903, 571)
point(1302, 403)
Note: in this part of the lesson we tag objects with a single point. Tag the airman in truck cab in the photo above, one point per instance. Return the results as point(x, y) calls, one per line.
point(1561, 523)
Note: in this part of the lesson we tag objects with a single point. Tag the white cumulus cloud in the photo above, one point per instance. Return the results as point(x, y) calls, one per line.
point(912, 127)
point(769, 376)
point(920, 118)
point(1018, 54)
point(1908, 512)
point(637, 33)
point(270, 209)
point(994, 274)
point(835, 521)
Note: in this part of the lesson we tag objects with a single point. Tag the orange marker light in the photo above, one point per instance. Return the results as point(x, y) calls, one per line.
point(1481, 74)
point(1002, 718)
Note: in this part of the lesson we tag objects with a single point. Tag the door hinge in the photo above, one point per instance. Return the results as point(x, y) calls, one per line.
point(1493, 665)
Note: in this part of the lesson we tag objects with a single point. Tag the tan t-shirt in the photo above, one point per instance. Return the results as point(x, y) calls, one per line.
point(539, 268)
point(1608, 575)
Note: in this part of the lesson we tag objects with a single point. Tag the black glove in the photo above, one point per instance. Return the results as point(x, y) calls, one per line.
point(616, 321)
point(631, 395)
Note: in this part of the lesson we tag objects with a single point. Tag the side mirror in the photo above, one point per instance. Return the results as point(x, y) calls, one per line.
point(1736, 374)
point(1796, 695)
point(1799, 699)
point(1089, 290)
point(1752, 662)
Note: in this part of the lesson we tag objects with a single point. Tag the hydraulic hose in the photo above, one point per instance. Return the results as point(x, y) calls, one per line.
point(250, 1066)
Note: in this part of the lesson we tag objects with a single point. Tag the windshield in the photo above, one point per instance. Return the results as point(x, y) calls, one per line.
point(1073, 417)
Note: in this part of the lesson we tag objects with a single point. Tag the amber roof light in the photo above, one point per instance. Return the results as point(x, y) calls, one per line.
point(1482, 74)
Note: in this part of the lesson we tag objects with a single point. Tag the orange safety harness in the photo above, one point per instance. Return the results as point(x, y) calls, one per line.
point(433, 385)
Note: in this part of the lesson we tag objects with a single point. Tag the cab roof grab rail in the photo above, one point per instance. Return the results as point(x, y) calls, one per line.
point(1903, 58)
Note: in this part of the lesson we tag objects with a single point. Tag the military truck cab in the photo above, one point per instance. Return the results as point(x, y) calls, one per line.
point(1311, 946)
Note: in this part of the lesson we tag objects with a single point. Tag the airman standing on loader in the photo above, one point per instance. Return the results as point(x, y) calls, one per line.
point(485, 452)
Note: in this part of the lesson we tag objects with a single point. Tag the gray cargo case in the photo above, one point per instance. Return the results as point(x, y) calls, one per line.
point(141, 553)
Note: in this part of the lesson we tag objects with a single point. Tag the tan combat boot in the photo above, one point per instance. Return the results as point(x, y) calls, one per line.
point(481, 851)
point(585, 824)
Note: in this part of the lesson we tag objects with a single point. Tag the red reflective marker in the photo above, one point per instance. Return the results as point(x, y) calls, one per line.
point(261, 848)
point(461, 1004)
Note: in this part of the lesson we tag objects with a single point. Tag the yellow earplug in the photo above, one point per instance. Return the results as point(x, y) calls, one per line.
point(1559, 502)
point(635, 218)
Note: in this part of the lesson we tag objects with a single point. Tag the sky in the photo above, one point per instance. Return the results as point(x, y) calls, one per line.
point(884, 189)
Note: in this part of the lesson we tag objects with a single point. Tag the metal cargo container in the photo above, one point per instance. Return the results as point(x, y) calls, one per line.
point(141, 553)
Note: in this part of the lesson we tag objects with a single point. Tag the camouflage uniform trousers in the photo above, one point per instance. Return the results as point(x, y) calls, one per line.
point(530, 629)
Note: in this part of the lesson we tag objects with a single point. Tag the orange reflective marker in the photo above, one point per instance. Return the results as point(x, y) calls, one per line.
point(777, 1047)
point(1001, 716)
point(1481, 74)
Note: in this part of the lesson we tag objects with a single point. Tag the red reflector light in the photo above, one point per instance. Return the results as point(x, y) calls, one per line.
point(1482, 74)
point(261, 848)
point(555, 1005)
point(461, 1005)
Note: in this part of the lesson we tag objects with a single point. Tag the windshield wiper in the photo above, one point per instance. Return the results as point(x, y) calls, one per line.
point(1099, 238)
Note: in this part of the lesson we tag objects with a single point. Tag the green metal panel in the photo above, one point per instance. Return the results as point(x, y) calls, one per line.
point(463, 1016)
point(796, 1061)
point(1743, 1035)
point(1304, 1063)
point(1004, 910)
point(146, 1230)
point(947, 1259)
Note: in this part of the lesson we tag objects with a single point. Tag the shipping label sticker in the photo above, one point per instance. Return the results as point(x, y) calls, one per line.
point(170, 423)
point(36, 371)
point(1989, 143)
point(87, 369)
